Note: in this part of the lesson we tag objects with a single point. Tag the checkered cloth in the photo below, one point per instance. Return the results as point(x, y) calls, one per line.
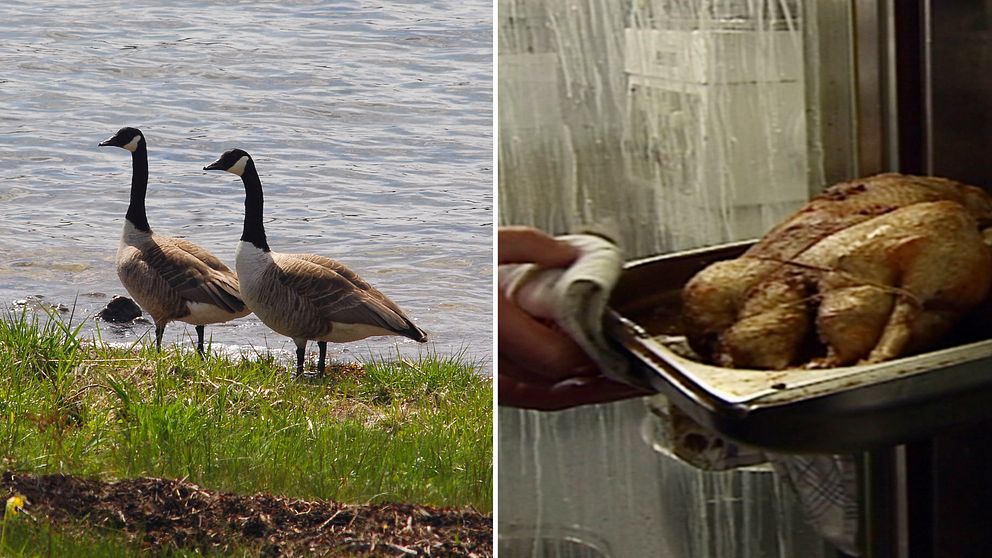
point(827, 488)
point(826, 485)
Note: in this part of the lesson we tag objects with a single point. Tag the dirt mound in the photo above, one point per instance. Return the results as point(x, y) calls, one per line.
point(159, 512)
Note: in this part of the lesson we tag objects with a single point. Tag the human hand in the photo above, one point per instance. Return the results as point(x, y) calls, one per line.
point(540, 367)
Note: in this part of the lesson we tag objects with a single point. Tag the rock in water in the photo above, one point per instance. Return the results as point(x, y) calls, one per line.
point(120, 309)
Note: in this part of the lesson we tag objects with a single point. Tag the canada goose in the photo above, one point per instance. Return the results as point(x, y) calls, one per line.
point(304, 296)
point(170, 278)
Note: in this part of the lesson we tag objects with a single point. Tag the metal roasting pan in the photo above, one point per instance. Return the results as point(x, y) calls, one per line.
point(835, 410)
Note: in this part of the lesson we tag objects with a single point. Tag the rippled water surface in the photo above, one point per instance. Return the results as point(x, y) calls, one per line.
point(370, 124)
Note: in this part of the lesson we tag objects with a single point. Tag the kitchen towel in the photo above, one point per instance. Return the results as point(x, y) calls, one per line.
point(575, 298)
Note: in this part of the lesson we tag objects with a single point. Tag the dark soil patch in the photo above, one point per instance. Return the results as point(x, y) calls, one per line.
point(157, 513)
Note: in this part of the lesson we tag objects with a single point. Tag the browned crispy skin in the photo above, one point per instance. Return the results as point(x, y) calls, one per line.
point(875, 268)
point(849, 203)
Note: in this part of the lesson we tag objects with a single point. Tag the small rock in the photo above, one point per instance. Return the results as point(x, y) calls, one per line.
point(120, 309)
point(32, 301)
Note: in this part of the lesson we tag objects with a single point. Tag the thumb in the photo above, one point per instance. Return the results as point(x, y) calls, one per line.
point(528, 245)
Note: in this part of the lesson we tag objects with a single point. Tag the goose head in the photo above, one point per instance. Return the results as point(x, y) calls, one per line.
point(126, 138)
point(233, 161)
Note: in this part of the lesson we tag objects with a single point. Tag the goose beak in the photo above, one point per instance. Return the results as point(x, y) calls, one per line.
point(214, 166)
point(106, 142)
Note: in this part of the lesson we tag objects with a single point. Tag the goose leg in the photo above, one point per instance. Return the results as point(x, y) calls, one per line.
point(301, 349)
point(159, 330)
point(199, 340)
point(322, 345)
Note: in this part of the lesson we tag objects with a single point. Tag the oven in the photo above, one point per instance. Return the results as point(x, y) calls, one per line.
point(686, 128)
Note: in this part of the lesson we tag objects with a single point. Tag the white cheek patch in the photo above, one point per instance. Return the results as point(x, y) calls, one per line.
point(133, 144)
point(239, 167)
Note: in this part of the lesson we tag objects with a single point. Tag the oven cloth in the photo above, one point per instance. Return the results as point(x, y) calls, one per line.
point(828, 494)
point(575, 300)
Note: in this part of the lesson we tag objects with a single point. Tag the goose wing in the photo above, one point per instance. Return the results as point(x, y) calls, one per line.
point(338, 294)
point(195, 274)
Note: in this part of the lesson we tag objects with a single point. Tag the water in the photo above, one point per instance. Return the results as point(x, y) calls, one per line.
point(370, 124)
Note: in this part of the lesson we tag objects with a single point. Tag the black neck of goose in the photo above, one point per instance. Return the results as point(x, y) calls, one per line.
point(253, 231)
point(139, 184)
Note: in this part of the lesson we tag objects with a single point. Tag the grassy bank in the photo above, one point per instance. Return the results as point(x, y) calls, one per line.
point(379, 431)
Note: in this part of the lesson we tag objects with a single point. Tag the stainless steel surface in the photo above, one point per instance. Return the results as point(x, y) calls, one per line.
point(926, 70)
point(875, 63)
point(828, 39)
point(833, 410)
point(960, 90)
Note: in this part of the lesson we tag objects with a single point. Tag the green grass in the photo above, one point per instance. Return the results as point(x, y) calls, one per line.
point(383, 431)
point(29, 539)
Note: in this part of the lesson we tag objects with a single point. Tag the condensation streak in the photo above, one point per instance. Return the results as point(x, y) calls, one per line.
point(667, 124)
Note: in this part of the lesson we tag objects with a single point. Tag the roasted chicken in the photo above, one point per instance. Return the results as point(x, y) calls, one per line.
point(870, 270)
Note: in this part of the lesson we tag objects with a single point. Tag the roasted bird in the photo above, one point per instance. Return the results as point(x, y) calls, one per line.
point(870, 270)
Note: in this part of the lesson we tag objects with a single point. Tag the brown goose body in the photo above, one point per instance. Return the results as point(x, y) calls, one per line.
point(174, 279)
point(309, 297)
point(170, 278)
point(305, 296)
